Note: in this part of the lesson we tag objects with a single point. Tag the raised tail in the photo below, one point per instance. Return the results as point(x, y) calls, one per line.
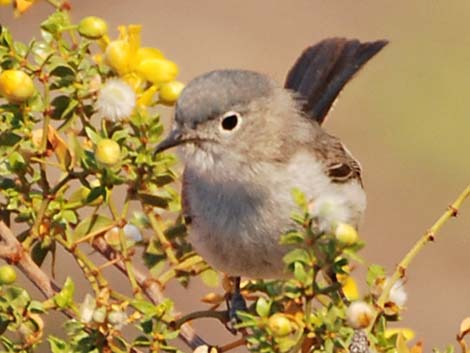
point(323, 69)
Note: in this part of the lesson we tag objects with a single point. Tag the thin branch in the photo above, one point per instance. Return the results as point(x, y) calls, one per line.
point(221, 315)
point(150, 287)
point(427, 237)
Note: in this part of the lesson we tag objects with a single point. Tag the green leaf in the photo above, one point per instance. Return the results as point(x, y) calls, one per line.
point(95, 193)
point(292, 237)
point(154, 200)
point(55, 23)
point(297, 255)
point(141, 341)
point(62, 70)
point(9, 138)
point(210, 278)
point(300, 274)
point(64, 299)
point(69, 216)
point(92, 223)
point(63, 107)
point(39, 253)
point(373, 272)
point(263, 307)
point(299, 198)
point(92, 135)
point(57, 345)
point(145, 307)
point(120, 135)
point(16, 161)
point(16, 297)
point(36, 307)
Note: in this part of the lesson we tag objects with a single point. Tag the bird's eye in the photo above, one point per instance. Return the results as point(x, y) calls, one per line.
point(230, 121)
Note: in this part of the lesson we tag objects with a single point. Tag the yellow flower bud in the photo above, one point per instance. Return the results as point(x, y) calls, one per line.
point(118, 56)
point(92, 27)
point(169, 92)
point(16, 86)
point(280, 325)
point(7, 275)
point(108, 152)
point(157, 71)
point(346, 234)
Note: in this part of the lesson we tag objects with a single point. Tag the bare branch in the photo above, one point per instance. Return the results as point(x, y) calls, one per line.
point(12, 251)
point(151, 289)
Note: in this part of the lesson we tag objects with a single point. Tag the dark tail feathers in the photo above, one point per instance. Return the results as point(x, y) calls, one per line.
point(323, 69)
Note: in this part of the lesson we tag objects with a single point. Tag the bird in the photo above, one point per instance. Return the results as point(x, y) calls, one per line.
point(247, 142)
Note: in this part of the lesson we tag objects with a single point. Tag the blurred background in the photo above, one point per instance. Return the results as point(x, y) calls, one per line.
point(406, 117)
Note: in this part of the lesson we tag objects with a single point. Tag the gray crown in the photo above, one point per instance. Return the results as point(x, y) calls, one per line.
point(208, 96)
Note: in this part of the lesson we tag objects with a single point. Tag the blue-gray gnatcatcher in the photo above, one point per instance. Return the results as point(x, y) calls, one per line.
point(248, 142)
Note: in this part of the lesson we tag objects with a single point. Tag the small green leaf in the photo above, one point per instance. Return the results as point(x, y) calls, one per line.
point(141, 341)
point(299, 198)
point(36, 307)
point(297, 255)
point(292, 237)
point(63, 107)
point(62, 70)
point(92, 135)
point(64, 299)
point(263, 307)
point(70, 216)
point(16, 161)
point(91, 224)
point(210, 278)
point(57, 345)
point(120, 135)
point(39, 253)
point(145, 307)
point(154, 200)
point(299, 273)
point(55, 23)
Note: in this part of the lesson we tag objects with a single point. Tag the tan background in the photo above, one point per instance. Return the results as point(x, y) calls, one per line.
point(406, 116)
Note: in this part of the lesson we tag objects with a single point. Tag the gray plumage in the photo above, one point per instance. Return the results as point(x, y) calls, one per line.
point(247, 143)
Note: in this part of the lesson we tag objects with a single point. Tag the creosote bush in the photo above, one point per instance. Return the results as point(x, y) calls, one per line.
point(79, 119)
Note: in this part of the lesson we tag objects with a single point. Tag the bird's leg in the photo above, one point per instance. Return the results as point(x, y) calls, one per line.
point(235, 303)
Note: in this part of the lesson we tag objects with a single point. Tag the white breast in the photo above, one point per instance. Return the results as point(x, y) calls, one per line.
point(239, 213)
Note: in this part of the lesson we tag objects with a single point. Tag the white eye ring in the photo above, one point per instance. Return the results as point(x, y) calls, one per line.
point(230, 122)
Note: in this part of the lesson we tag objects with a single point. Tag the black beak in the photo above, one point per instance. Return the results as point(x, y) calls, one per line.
point(173, 139)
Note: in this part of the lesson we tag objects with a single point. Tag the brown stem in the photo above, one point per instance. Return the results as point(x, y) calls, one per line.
point(12, 251)
point(150, 287)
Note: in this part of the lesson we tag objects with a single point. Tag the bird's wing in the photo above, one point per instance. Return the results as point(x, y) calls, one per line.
point(323, 69)
point(338, 162)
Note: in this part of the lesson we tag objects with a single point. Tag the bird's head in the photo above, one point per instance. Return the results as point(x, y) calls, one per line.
point(232, 114)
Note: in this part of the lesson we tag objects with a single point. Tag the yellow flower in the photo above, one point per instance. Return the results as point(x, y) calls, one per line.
point(5, 2)
point(350, 289)
point(134, 64)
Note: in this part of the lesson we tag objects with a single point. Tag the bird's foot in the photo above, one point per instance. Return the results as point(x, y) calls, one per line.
point(235, 303)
